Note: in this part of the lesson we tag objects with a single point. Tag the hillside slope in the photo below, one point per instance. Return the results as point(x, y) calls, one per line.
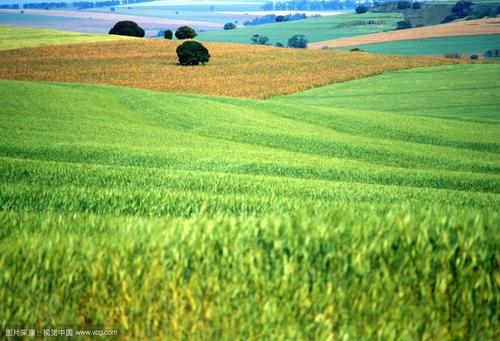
point(17, 37)
point(435, 46)
point(315, 29)
point(234, 70)
point(342, 211)
point(462, 28)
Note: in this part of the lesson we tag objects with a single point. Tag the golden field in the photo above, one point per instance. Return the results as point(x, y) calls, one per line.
point(234, 70)
point(461, 28)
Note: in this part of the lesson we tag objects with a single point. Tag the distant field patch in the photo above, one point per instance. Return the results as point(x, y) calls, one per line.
point(16, 37)
point(315, 29)
point(462, 28)
point(234, 70)
point(436, 46)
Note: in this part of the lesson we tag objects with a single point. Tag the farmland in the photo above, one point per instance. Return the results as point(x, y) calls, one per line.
point(436, 46)
point(16, 37)
point(463, 28)
point(366, 209)
point(315, 29)
point(235, 70)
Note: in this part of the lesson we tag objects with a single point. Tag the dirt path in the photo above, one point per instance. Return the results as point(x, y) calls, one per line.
point(462, 28)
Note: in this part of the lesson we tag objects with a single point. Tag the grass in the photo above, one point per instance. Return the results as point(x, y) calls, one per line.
point(325, 214)
point(436, 46)
point(315, 29)
point(234, 70)
point(17, 37)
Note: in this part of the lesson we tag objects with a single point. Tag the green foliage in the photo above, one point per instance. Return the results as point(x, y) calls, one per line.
point(403, 25)
point(185, 32)
point(192, 53)
point(229, 26)
point(362, 9)
point(259, 40)
point(495, 53)
point(416, 5)
point(169, 34)
point(127, 28)
point(298, 42)
point(327, 214)
point(404, 4)
point(474, 57)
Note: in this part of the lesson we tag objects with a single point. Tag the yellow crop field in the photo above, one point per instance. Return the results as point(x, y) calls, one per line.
point(461, 28)
point(234, 70)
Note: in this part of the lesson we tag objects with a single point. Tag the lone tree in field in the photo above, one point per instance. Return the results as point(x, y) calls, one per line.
point(298, 42)
point(192, 53)
point(361, 9)
point(229, 26)
point(259, 40)
point(169, 34)
point(403, 25)
point(185, 32)
point(127, 28)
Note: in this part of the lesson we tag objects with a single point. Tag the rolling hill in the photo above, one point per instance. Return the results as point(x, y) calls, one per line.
point(234, 70)
point(462, 28)
point(19, 37)
point(365, 209)
point(315, 29)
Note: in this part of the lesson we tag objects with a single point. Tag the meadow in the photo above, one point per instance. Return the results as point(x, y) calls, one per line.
point(234, 70)
point(19, 37)
point(362, 210)
point(315, 29)
point(435, 46)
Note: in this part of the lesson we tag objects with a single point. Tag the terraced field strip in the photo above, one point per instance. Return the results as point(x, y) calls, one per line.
point(234, 70)
point(462, 28)
point(17, 37)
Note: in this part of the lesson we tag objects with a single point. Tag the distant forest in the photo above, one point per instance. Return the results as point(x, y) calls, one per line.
point(76, 4)
point(310, 5)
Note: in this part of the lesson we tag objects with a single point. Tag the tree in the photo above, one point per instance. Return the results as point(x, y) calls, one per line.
point(127, 28)
point(280, 18)
point(462, 8)
point(474, 57)
point(361, 9)
point(403, 25)
point(298, 41)
point(229, 26)
point(260, 40)
point(185, 32)
point(192, 53)
point(169, 34)
point(404, 5)
point(416, 5)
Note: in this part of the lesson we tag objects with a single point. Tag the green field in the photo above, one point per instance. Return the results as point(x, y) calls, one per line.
point(362, 210)
point(11, 37)
point(315, 29)
point(436, 46)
